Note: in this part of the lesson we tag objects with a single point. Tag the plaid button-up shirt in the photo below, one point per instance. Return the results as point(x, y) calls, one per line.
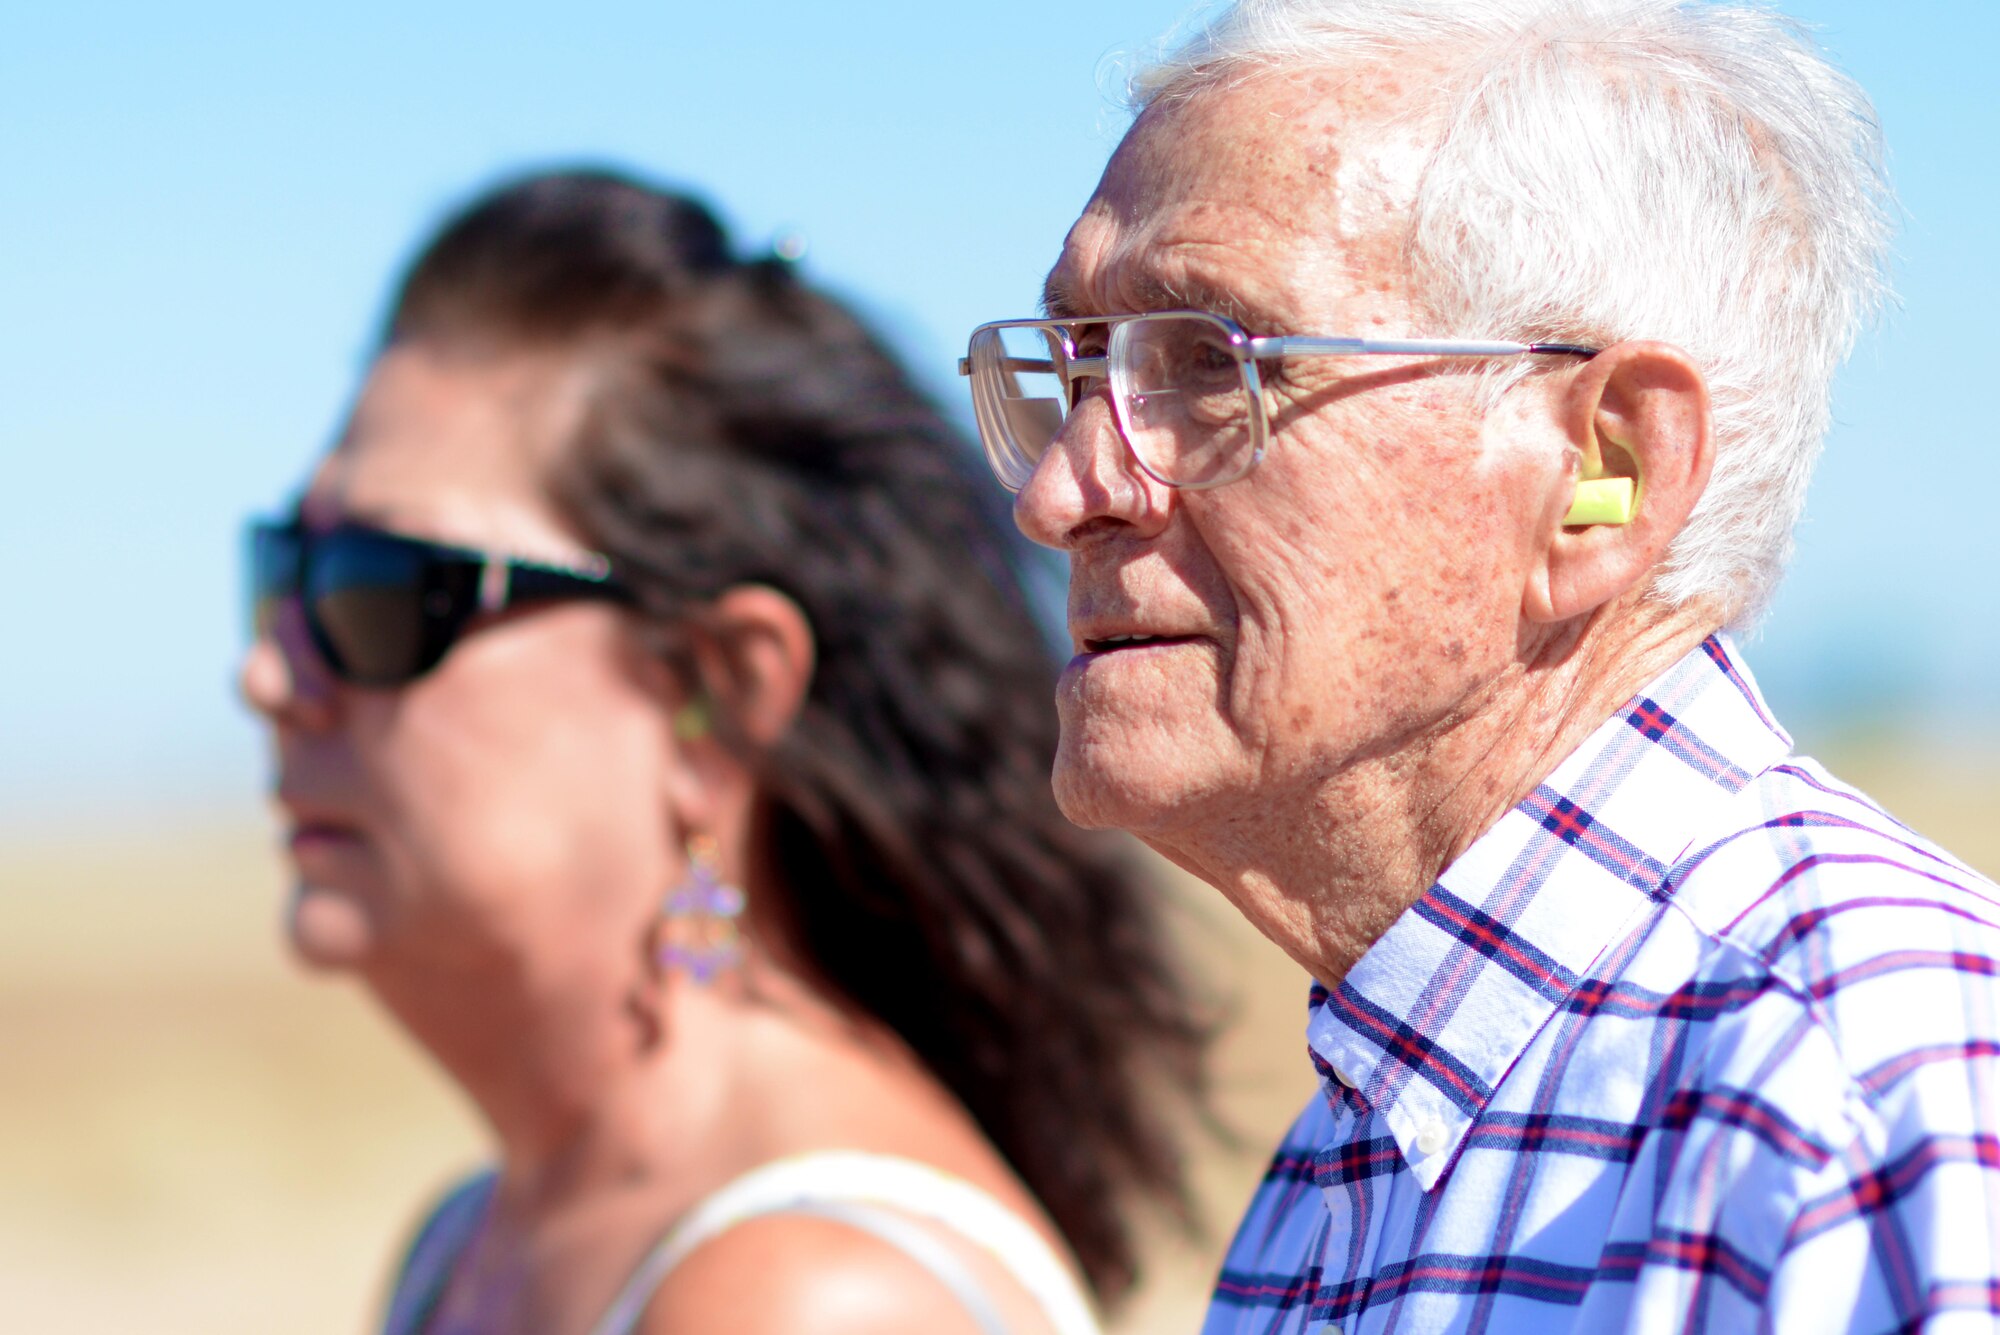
point(1694, 1039)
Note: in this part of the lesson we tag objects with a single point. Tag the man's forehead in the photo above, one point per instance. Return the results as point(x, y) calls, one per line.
point(1246, 200)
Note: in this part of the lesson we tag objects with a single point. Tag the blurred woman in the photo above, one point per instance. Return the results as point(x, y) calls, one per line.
point(663, 737)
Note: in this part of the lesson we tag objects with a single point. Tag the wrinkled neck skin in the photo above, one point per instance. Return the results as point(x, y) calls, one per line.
point(1324, 867)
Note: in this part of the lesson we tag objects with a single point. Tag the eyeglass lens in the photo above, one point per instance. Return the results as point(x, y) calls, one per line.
point(1182, 396)
point(1018, 397)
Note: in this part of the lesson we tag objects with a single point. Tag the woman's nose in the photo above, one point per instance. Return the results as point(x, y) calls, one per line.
point(280, 676)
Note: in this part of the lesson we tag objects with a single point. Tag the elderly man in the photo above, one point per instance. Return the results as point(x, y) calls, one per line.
point(1426, 386)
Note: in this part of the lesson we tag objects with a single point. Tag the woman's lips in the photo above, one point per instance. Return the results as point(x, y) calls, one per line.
point(312, 840)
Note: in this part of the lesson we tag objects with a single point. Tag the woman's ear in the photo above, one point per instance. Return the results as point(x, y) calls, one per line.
point(1637, 411)
point(754, 654)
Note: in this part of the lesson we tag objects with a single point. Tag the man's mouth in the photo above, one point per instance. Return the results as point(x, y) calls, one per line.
point(1113, 642)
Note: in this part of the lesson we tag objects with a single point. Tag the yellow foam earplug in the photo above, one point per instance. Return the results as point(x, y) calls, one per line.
point(691, 720)
point(1603, 500)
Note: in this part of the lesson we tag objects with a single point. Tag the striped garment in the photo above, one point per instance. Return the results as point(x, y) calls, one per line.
point(1694, 1039)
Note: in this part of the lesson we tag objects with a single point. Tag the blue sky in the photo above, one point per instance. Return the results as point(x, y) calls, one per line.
point(201, 206)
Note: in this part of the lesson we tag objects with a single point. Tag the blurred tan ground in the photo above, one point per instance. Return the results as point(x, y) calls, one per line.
point(194, 1138)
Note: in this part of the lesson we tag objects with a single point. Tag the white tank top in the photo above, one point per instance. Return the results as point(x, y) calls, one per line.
point(885, 1196)
point(889, 1197)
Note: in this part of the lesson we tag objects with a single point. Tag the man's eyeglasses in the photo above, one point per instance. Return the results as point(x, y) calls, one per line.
point(1185, 388)
point(382, 609)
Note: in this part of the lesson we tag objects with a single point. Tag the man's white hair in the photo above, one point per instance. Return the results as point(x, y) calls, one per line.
point(1629, 169)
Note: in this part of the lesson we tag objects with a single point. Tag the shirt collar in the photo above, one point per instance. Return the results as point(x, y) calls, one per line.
point(1427, 1023)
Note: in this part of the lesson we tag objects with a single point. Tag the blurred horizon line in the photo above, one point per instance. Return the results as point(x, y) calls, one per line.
point(1895, 728)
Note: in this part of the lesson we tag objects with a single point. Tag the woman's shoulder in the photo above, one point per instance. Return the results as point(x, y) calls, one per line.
point(859, 1240)
point(777, 1274)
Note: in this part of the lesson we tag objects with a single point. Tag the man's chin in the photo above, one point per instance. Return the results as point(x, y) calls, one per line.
point(1125, 794)
point(1144, 762)
point(1079, 804)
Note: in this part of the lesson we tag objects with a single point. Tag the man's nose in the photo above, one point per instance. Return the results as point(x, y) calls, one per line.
point(1088, 481)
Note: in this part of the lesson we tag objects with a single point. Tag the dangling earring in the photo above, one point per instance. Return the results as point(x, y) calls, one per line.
point(698, 929)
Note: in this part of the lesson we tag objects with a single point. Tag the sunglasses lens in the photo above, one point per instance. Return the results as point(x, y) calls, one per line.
point(365, 602)
point(274, 572)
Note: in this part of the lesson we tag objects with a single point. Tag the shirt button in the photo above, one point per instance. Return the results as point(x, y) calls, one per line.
point(1431, 1138)
point(1325, 1328)
point(1340, 1074)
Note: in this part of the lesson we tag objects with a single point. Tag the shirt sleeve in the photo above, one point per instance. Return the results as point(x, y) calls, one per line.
point(1900, 1230)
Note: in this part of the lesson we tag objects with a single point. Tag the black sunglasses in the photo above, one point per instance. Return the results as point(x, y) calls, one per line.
point(383, 609)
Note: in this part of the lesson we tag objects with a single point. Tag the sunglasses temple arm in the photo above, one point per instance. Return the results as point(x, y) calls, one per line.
point(495, 583)
point(528, 582)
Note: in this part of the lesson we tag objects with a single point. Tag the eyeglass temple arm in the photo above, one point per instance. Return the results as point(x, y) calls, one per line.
point(1306, 345)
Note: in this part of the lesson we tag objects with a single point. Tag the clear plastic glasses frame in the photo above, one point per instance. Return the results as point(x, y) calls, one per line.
point(1186, 392)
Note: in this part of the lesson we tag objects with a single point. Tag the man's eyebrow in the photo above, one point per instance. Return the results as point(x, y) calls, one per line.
point(1058, 301)
point(1194, 294)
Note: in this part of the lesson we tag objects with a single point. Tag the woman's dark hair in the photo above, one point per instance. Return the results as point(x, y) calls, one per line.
point(747, 428)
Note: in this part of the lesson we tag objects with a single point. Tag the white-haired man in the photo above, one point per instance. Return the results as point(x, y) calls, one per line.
point(1426, 386)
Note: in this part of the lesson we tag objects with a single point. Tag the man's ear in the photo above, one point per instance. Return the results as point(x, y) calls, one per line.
point(1637, 411)
point(754, 653)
